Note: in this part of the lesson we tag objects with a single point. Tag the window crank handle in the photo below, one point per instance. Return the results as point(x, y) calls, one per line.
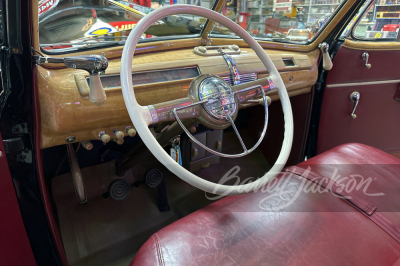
point(354, 98)
point(365, 57)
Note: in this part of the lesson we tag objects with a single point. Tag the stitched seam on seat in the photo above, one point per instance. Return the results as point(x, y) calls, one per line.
point(363, 221)
point(159, 251)
point(372, 226)
point(385, 227)
point(376, 232)
point(372, 211)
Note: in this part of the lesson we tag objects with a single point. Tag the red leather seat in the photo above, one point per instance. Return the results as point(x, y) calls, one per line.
point(356, 165)
point(293, 221)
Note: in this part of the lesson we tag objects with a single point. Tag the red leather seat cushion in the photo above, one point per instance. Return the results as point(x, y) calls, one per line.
point(353, 166)
point(285, 224)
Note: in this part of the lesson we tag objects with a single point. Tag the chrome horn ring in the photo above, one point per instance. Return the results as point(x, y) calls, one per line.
point(219, 105)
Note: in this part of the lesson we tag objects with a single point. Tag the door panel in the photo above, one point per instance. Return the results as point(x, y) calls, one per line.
point(378, 113)
point(349, 67)
point(14, 244)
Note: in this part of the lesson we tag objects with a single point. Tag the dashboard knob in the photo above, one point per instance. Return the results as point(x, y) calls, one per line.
point(105, 138)
point(87, 145)
point(235, 47)
point(192, 129)
point(131, 131)
point(118, 134)
point(202, 49)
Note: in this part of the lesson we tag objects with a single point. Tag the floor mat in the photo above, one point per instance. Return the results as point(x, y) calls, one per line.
point(108, 232)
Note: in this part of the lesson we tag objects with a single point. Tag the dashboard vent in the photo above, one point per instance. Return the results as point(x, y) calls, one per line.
point(150, 77)
point(243, 78)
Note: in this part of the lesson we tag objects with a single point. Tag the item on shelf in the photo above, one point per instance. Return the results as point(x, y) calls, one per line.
point(390, 27)
point(253, 4)
point(381, 34)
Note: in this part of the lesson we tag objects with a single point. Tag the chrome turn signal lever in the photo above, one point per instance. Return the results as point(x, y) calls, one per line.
point(94, 64)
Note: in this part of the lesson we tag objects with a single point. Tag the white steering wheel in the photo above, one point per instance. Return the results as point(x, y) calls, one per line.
point(143, 116)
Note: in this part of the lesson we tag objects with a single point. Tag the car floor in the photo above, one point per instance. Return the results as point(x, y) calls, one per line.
point(108, 232)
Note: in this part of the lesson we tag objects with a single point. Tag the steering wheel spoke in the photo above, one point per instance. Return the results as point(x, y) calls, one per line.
point(237, 133)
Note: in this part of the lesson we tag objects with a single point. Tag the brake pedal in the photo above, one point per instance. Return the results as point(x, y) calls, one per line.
point(119, 189)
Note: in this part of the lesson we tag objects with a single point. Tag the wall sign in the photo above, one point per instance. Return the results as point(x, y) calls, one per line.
point(47, 5)
point(282, 5)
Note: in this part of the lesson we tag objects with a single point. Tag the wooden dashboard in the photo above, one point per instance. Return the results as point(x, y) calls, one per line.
point(66, 110)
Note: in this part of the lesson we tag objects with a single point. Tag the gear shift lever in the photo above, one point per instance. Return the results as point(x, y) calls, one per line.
point(94, 64)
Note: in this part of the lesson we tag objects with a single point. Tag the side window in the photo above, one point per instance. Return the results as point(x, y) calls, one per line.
point(381, 20)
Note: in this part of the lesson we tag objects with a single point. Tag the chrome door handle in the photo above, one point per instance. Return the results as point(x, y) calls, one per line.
point(365, 57)
point(354, 98)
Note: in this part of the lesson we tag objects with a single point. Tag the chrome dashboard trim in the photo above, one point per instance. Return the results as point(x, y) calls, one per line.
point(153, 112)
point(363, 83)
point(232, 68)
point(244, 78)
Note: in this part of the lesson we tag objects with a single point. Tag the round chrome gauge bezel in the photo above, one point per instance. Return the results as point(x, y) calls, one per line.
point(221, 102)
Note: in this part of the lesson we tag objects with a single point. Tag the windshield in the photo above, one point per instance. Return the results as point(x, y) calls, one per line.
point(70, 25)
point(297, 21)
point(67, 25)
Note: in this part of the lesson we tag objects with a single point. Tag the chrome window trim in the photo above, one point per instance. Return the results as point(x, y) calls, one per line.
point(353, 28)
point(363, 83)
